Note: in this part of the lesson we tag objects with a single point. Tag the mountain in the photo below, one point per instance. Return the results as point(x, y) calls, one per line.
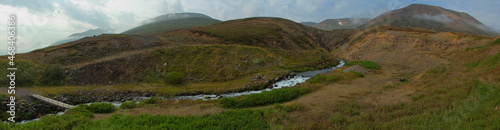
point(175, 16)
point(308, 23)
point(343, 23)
point(76, 36)
point(431, 17)
point(170, 22)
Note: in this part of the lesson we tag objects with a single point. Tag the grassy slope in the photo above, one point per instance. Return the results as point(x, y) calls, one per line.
point(170, 25)
point(450, 97)
point(460, 94)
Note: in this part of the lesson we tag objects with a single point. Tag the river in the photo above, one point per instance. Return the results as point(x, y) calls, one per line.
point(287, 82)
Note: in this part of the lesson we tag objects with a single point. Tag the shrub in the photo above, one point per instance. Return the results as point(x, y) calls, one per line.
point(174, 78)
point(101, 107)
point(365, 64)
point(53, 75)
point(264, 98)
point(128, 105)
point(149, 101)
point(80, 110)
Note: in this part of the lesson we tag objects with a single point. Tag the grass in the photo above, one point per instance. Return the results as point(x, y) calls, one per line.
point(128, 105)
point(223, 63)
point(100, 107)
point(213, 63)
point(490, 62)
point(447, 97)
point(33, 74)
point(365, 64)
point(267, 118)
point(264, 98)
point(334, 77)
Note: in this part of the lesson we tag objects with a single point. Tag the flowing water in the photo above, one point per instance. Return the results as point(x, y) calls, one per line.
point(288, 82)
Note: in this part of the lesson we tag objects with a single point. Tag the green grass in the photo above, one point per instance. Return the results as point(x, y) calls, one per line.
point(211, 63)
point(237, 119)
point(264, 98)
point(365, 64)
point(333, 77)
point(128, 105)
point(100, 107)
point(175, 78)
point(228, 62)
point(490, 62)
point(30, 73)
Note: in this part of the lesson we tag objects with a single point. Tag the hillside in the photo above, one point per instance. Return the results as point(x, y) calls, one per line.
point(258, 45)
point(343, 23)
point(431, 17)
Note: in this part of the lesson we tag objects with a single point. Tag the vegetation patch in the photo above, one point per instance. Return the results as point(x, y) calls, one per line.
point(264, 98)
point(365, 64)
point(100, 107)
point(34, 74)
point(333, 77)
point(235, 119)
point(149, 101)
point(175, 78)
point(128, 105)
point(80, 110)
point(490, 62)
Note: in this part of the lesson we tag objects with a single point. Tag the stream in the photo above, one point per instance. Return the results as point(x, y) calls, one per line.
point(287, 82)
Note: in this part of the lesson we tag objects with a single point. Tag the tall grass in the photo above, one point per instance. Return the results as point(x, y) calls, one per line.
point(264, 98)
point(234, 119)
point(365, 64)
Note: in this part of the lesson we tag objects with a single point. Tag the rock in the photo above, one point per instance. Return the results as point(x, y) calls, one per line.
point(402, 79)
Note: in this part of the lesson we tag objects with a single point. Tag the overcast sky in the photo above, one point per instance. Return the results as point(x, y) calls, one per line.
point(43, 22)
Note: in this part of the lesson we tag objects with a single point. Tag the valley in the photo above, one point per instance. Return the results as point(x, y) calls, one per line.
point(414, 76)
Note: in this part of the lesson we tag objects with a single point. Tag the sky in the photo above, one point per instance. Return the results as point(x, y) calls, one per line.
point(43, 22)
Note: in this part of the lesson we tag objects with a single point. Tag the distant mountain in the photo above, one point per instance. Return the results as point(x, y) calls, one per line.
point(76, 36)
point(170, 22)
point(175, 16)
point(308, 23)
point(431, 17)
point(343, 23)
point(90, 32)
